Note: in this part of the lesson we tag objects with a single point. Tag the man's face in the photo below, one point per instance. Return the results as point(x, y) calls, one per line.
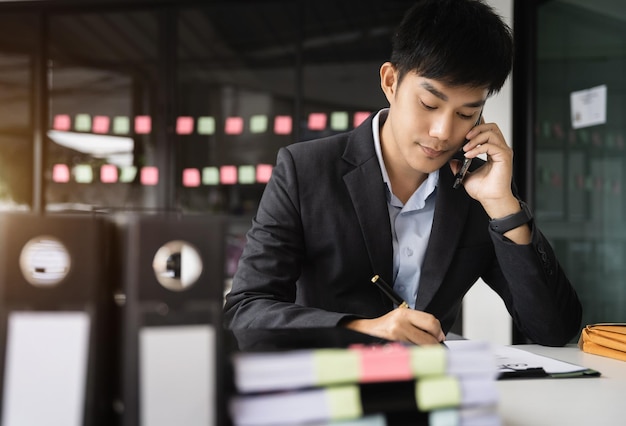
point(427, 121)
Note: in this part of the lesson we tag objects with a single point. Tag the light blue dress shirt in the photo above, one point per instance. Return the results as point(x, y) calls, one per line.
point(411, 224)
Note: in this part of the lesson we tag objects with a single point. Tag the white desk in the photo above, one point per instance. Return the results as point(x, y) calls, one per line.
point(590, 401)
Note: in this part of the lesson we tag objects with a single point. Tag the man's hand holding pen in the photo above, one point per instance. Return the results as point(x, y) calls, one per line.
point(401, 324)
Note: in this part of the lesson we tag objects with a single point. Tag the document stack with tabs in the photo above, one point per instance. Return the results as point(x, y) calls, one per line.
point(366, 384)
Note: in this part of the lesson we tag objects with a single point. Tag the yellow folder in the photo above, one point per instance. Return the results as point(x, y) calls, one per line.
point(607, 339)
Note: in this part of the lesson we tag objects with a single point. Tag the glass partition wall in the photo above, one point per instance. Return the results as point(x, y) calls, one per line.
point(176, 105)
point(575, 144)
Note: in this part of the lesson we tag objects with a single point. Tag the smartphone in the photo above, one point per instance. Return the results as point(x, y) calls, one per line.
point(458, 178)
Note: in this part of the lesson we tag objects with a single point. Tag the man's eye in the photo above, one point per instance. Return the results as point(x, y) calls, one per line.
point(466, 117)
point(428, 107)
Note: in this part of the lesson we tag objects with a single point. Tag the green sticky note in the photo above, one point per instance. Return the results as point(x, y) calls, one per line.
point(339, 120)
point(336, 366)
point(344, 402)
point(205, 126)
point(83, 173)
point(258, 124)
point(428, 360)
point(247, 174)
point(210, 176)
point(438, 392)
point(82, 123)
point(128, 173)
point(121, 125)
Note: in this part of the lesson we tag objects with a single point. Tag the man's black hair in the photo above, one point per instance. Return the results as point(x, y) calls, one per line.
point(460, 42)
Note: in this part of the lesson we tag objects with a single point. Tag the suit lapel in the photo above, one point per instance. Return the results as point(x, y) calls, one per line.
point(367, 192)
point(450, 214)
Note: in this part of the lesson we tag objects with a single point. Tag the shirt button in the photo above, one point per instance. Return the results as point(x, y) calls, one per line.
point(408, 251)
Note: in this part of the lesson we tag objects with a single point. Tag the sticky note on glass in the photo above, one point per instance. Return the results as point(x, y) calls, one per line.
point(588, 107)
point(283, 124)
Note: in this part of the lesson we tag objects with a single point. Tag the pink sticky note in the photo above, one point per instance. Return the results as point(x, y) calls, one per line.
point(234, 126)
point(317, 121)
point(191, 177)
point(60, 173)
point(263, 173)
point(228, 175)
point(389, 362)
point(360, 117)
point(283, 124)
point(101, 124)
point(62, 122)
point(143, 124)
point(108, 173)
point(149, 175)
point(184, 125)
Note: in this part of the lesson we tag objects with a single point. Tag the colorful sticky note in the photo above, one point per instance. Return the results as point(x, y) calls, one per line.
point(206, 126)
point(101, 124)
point(184, 125)
point(389, 362)
point(191, 177)
point(228, 175)
point(149, 175)
point(108, 173)
point(62, 122)
point(359, 117)
point(60, 173)
point(83, 173)
point(128, 174)
point(247, 174)
point(263, 173)
point(317, 121)
point(121, 125)
point(258, 124)
point(143, 124)
point(82, 123)
point(234, 126)
point(283, 124)
point(210, 176)
point(339, 120)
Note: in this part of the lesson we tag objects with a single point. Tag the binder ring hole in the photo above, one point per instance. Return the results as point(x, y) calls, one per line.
point(44, 261)
point(177, 265)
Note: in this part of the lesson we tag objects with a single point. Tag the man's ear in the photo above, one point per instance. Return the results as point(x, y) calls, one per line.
point(388, 80)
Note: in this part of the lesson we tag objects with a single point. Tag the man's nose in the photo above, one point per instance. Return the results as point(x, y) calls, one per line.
point(441, 128)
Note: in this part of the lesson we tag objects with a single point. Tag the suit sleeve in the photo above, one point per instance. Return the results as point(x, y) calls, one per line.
point(535, 289)
point(264, 287)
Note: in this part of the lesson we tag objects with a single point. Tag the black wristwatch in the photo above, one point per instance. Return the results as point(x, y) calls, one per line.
point(511, 221)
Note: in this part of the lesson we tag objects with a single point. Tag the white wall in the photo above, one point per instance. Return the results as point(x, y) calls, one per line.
point(484, 314)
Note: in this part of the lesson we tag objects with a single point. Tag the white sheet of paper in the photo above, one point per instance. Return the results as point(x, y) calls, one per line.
point(45, 368)
point(521, 359)
point(177, 378)
point(588, 107)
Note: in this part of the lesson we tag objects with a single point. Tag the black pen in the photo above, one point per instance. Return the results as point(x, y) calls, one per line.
point(389, 292)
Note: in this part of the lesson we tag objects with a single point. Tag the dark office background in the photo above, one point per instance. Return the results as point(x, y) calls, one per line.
point(182, 106)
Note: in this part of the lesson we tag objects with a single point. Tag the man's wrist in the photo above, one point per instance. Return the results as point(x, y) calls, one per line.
point(504, 224)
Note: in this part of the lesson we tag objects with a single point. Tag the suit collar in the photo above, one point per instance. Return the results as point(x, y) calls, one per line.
point(367, 191)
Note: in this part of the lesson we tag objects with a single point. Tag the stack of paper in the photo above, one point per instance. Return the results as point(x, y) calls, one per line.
point(375, 384)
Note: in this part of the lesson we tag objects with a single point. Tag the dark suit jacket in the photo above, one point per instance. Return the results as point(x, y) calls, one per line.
point(322, 230)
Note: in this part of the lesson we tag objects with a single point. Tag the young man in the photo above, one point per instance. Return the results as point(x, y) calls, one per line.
point(379, 200)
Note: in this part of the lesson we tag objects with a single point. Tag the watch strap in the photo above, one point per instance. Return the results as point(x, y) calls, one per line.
point(512, 221)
